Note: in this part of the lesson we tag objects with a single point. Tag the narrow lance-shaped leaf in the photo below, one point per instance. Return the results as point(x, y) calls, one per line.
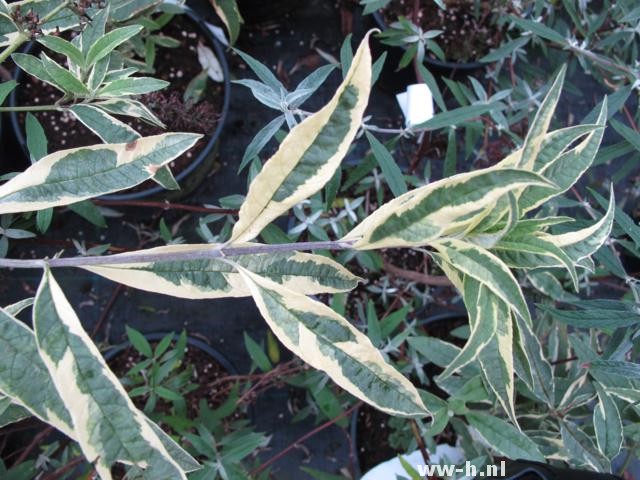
point(504, 438)
point(108, 427)
point(483, 318)
point(328, 342)
point(445, 207)
point(607, 424)
point(69, 176)
point(216, 278)
point(25, 379)
point(541, 122)
point(487, 269)
point(565, 170)
point(309, 156)
point(583, 243)
point(496, 361)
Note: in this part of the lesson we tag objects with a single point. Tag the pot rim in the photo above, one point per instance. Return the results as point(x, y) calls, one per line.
point(211, 143)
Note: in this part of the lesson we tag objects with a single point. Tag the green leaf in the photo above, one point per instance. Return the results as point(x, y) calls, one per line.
point(215, 278)
point(487, 269)
point(107, 425)
point(447, 207)
point(539, 29)
point(258, 142)
point(131, 86)
point(580, 447)
point(328, 342)
point(87, 210)
point(504, 438)
point(257, 354)
point(24, 377)
point(505, 49)
point(615, 367)
point(139, 342)
point(108, 128)
point(63, 47)
point(6, 88)
point(540, 125)
point(63, 78)
point(457, 116)
point(309, 156)
point(43, 219)
point(36, 138)
point(482, 306)
point(69, 176)
point(601, 314)
point(607, 424)
point(390, 169)
point(109, 42)
point(228, 12)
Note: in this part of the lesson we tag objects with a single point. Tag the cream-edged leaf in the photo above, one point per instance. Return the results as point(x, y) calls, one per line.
point(328, 342)
point(483, 319)
point(487, 269)
point(496, 361)
point(541, 122)
point(69, 176)
point(309, 156)
point(583, 243)
point(106, 424)
point(24, 377)
point(446, 207)
point(215, 278)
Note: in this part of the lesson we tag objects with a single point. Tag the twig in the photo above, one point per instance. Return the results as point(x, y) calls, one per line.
point(304, 437)
point(208, 252)
point(65, 468)
point(433, 280)
point(165, 206)
point(34, 443)
point(107, 309)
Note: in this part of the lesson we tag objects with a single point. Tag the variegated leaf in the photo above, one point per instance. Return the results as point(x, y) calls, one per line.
point(541, 122)
point(483, 312)
point(328, 342)
point(69, 176)
point(540, 373)
point(11, 412)
point(108, 128)
point(216, 278)
point(25, 379)
point(446, 207)
point(486, 268)
point(581, 244)
point(106, 424)
point(607, 424)
point(534, 251)
point(309, 156)
point(565, 170)
point(496, 361)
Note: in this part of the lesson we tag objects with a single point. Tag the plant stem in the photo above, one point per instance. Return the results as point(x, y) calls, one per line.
point(165, 206)
point(30, 108)
point(208, 252)
point(17, 43)
point(304, 437)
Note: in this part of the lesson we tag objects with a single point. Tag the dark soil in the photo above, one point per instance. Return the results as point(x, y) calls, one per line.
point(467, 35)
point(373, 431)
point(206, 371)
point(175, 65)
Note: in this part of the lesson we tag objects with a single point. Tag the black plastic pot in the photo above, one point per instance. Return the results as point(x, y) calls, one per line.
point(194, 342)
point(436, 66)
point(255, 12)
point(193, 175)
